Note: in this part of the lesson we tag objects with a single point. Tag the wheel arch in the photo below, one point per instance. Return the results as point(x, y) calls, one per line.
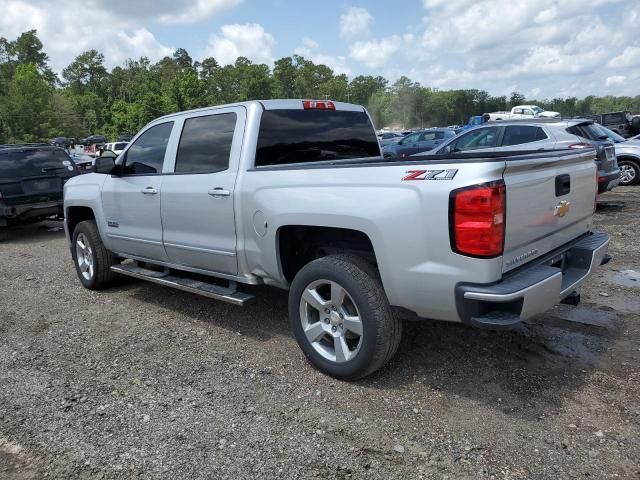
point(299, 244)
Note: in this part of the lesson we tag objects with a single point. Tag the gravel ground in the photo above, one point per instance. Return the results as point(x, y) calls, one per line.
point(143, 381)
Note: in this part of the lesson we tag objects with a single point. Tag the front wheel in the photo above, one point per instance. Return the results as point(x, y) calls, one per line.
point(341, 317)
point(629, 172)
point(91, 258)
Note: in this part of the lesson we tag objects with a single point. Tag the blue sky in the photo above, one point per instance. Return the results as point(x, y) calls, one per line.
point(542, 48)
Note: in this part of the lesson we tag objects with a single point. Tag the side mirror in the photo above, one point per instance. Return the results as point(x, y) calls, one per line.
point(106, 165)
point(108, 154)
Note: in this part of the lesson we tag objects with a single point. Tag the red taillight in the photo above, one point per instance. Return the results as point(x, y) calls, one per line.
point(581, 145)
point(477, 219)
point(318, 105)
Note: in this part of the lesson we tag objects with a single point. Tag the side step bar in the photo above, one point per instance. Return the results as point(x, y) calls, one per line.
point(229, 295)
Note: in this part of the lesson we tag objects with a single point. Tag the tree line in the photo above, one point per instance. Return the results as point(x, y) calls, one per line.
point(36, 104)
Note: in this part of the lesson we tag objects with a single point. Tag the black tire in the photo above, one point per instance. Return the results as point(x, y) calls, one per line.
point(381, 328)
point(102, 258)
point(634, 167)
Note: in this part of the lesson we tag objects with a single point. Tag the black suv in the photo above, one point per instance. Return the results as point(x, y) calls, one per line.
point(622, 123)
point(31, 182)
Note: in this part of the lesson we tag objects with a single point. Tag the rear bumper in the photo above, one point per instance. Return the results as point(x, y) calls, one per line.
point(533, 289)
point(607, 181)
point(28, 212)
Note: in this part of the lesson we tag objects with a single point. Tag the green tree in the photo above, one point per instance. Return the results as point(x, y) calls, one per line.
point(27, 109)
point(86, 72)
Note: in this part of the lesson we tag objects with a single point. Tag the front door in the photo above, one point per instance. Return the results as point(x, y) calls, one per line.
point(131, 201)
point(197, 209)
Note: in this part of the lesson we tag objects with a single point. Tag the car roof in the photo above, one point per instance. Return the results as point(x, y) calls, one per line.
point(27, 146)
point(546, 121)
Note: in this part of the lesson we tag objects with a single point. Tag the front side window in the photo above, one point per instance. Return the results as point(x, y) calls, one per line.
point(479, 138)
point(517, 135)
point(428, 136)
point(146, 155)
point(205, 144)
point(412, 138)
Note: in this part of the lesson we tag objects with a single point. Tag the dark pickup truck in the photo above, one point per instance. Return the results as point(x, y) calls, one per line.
point(31, 182)
point(622, 123)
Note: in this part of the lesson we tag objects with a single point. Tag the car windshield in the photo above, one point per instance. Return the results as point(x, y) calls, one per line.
point(537, 110)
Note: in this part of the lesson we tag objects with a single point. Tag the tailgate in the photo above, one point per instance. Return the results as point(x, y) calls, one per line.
point(550, 201)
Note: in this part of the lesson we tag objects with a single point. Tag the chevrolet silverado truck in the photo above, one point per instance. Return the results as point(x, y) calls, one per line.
point(295, 194)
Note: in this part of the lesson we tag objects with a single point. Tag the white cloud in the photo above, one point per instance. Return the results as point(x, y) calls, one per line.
point(196, 11)
point(630, 57)
point(249, 40)
point(615, 80)
point(309, 50)
point(378, 53)
point(63, 41)
point(355, 22)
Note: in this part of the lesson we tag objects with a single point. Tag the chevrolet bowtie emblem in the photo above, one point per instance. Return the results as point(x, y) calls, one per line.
point(562, 208)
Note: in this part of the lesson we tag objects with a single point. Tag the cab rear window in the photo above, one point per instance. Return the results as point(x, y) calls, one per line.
point(34, 163)
point(301, 136)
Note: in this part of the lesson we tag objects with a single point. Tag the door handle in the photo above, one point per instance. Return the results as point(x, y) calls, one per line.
point(219, 192)
point(149, 191)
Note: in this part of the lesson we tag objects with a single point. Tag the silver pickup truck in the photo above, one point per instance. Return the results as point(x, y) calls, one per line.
point(296, 194)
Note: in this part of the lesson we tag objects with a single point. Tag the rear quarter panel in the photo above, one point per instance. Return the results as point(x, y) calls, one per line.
point(406, 221)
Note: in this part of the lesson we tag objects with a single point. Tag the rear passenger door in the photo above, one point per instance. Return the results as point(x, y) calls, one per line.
point(197, 209)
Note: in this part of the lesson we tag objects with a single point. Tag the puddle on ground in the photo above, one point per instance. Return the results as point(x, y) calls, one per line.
point(624, 278)
point(579, 334)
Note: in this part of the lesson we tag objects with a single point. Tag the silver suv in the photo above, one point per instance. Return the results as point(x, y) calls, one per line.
point(540, 134)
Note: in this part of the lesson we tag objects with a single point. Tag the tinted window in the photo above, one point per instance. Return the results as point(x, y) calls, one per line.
point(426, 136)
point(146, 155)
point(412, 138)
point(295, 136)
point(478, 138)
point(517, 135)
point(617, 117)
point(34, 163)
point(205, 144)
point(119, 146)
point(589, 131)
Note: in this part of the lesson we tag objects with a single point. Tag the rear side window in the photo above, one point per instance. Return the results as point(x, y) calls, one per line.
point(302, 136)
point(616, 117)
point(205, 144)
point(589, 131)
point(120, 146)
point(519, 134)
point(34, 163)
point(146, 155)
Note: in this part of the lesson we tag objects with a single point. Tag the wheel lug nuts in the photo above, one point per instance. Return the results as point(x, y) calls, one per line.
point(341, 316)
point(326, 310)
point(334, 308)
point(334, 328)
point(326, 320)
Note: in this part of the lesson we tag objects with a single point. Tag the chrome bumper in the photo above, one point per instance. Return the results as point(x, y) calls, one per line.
point(532, 289)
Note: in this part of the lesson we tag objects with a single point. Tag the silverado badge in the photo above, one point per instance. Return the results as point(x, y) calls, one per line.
point(562, 208)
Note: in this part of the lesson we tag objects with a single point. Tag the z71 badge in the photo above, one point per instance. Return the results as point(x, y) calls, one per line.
point(430, 175)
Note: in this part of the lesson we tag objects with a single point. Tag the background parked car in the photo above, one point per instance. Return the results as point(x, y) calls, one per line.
point(387, 138)
point(420, 141)
point(541, 134)
point(622, 123)
point(116, 147)
point(62, 142)
point(31, 182)
point(83, 161)
point(628, 155)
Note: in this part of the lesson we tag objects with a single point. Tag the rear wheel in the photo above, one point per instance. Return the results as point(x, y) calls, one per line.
point(341, 317)
point(629, 172)
point(91, 258)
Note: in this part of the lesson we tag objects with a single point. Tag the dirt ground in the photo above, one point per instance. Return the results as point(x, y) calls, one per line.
point(145, 382)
